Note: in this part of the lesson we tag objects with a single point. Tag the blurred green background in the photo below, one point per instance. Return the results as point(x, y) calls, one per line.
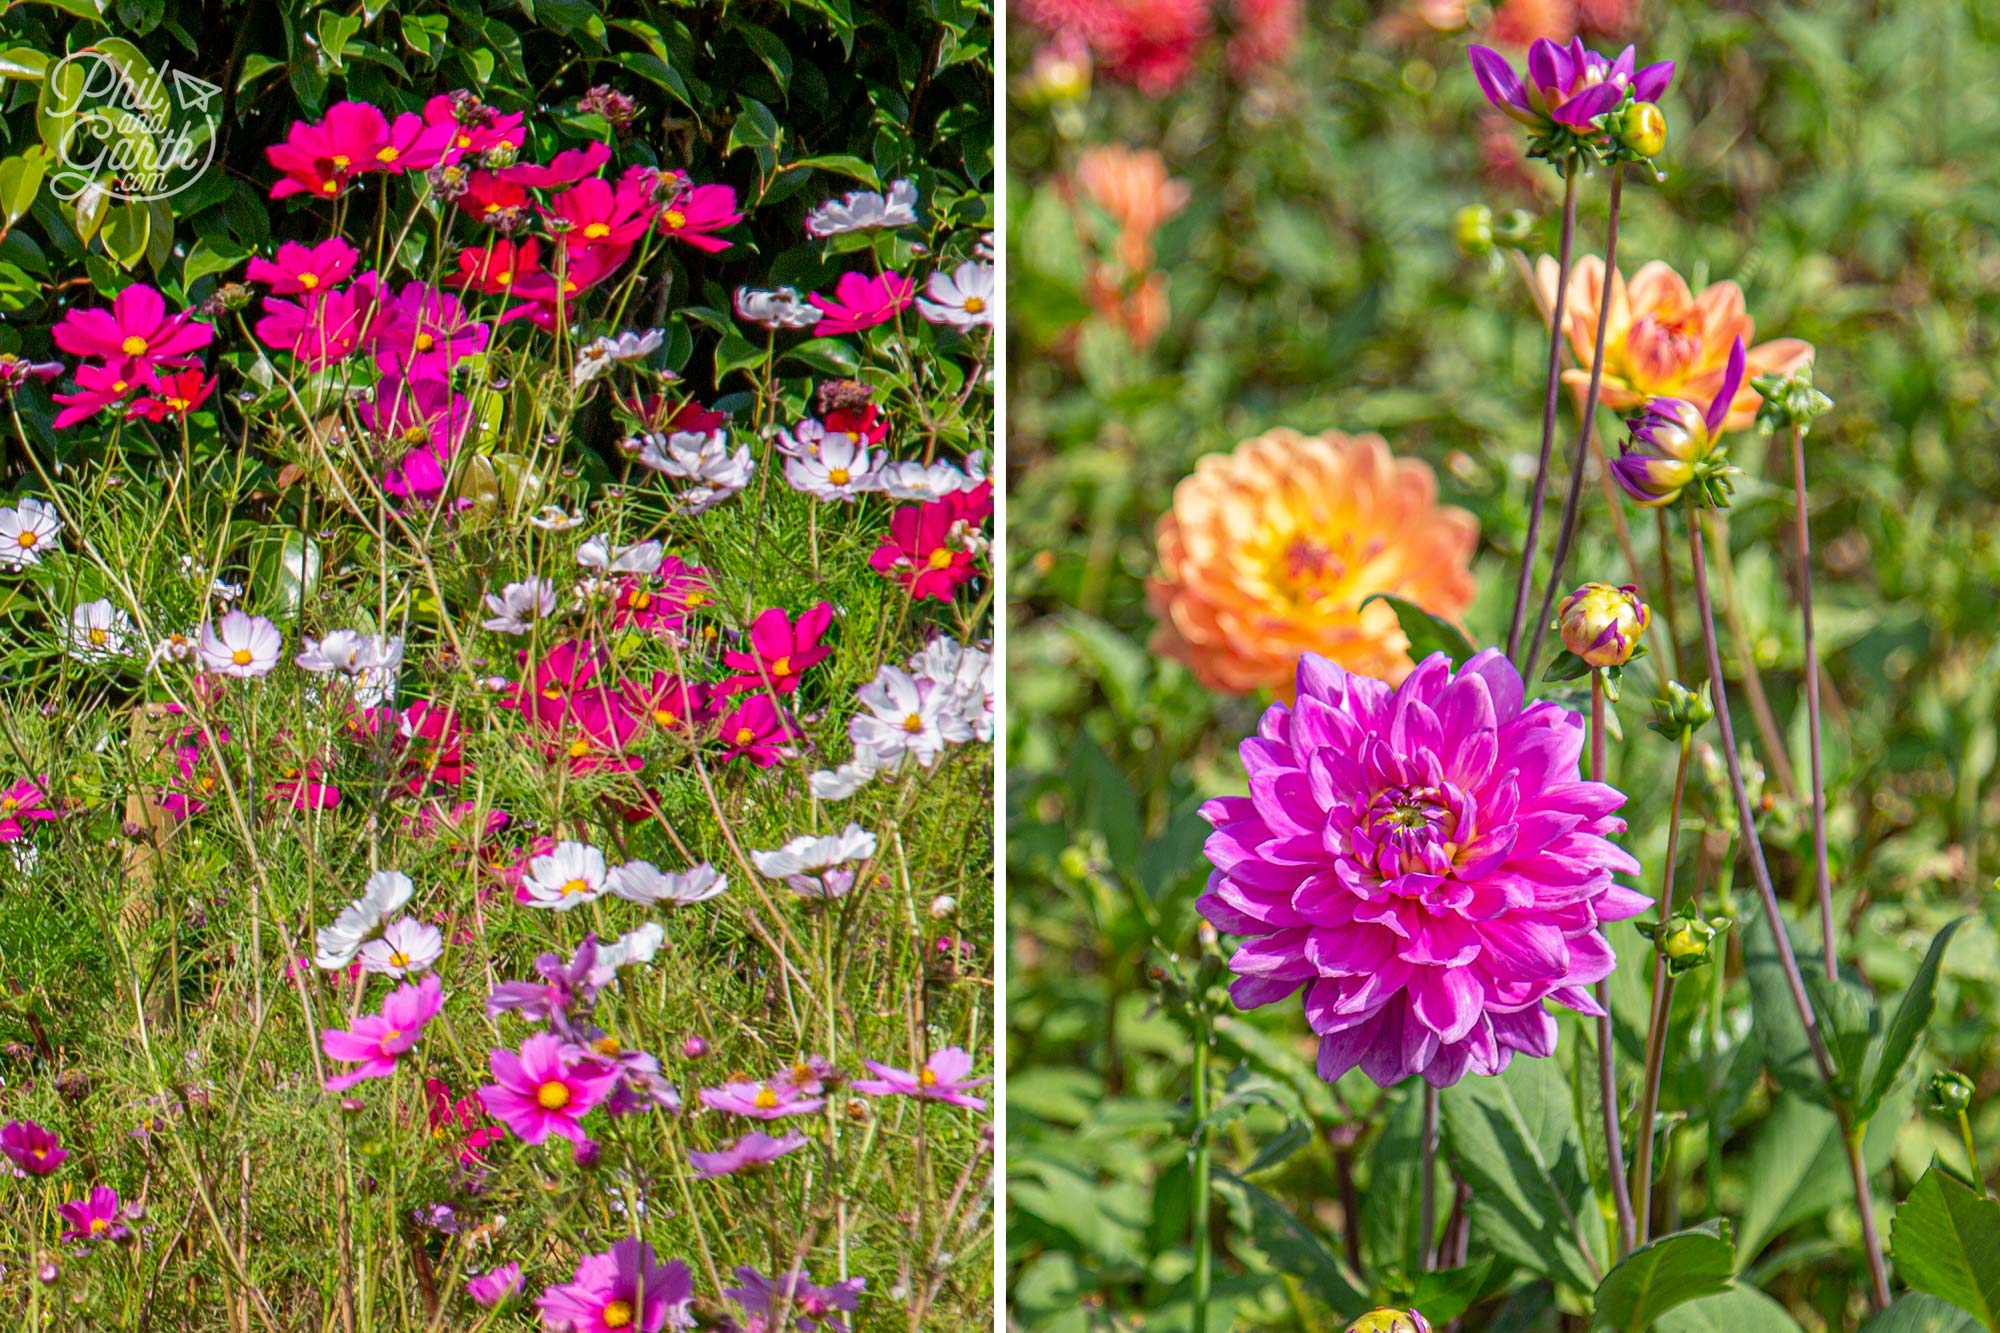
point(1841, 161)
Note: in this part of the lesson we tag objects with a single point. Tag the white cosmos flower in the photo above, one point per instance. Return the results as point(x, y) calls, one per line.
point(572, 873)
point(600, 354)
point(371, 661)
point(801, 440)
point(965, 675)
point(175, 648)
point(841, 470)
point(863, 209)
point(645, 883)
point(407, 947)
point(519, 605)
point(386, 891)
point(639, 558)
point(700, 457)
point(779, 308)
point(638, 946)
point(921, 481)
point(805, 854)
point(963, 298)
point(98, 630)
point(26, 532)
point(837, 784)
point(983, 247)
point(554, 518)
point(240, 645)
point(906, 716)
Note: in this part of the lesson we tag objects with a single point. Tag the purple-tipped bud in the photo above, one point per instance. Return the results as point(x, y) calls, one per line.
point(1386, 1320)
point(1601, 624)
point(695, 1047)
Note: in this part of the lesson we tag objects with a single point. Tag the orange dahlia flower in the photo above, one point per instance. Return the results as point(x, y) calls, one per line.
point(1269, 551)
point(1662, 340)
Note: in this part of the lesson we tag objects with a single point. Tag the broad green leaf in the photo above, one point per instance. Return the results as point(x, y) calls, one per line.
point(23, 62)
point(1946, 1242)
point(254, 68)
point(1737, 1310)
point(18, 290)
point(1775, 1014)
point(285, 567)
point(1427, 633)
point(755, 127)
point(335, 30)
point(829, 356)
point(212, 254)
point(127, 228)
point(1445, 1294)
point(1391, 1215)
point(1664, 1273)
point(1514, 1140)
point(735, 352)
point(844, 164)
point(1918, 1313)
point(1913, 1015)
point(20, 181)
point(423, 32)
point(1798, 1167)
point(1295, 1250)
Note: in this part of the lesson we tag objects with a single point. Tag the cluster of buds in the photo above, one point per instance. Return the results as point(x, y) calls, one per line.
point(1580, 106)
point(1388, 1320)
point(1681, 712)
point(618, 109)
point(16, 371)
point(1789, 400)
point(1477, 231)
point(1676, 447)
point(1686, 940)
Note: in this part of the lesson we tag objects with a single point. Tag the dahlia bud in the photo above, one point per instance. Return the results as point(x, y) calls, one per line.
point(1685, 940)
point(1386, 1320)
point(1789, 400)
point(1515, 227)
point(1951, 1092)
point(1642, 130)
point(1682, 712)
point(1473, 230)
point(1676, 444)
point(1601, 624)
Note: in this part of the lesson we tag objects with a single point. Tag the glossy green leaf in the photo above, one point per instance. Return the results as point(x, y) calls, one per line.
point(1946, 1243)
point(127, 229)
point(1913, 1015)
point(20, 181)
point(1427, 633)
point(1661, 1274)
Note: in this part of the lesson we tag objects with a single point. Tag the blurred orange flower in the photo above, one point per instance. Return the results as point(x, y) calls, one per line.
point(1662, 340)
point(1132, 187)
point(1269, 551)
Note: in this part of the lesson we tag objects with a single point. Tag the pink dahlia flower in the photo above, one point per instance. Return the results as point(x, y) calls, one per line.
point(1425, 863)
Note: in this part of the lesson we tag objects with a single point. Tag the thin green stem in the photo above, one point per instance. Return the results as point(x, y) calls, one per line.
point(1971, 1151)
point(1802, 537)
point(1200, 1167)
point(1427, 1212)
point(1656, 1028)
point(1607, 1057)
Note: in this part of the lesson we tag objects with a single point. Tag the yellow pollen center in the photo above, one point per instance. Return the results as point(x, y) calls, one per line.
point(914, 723)
point(342, 161)
point(578, 748)
point(974, 305)
point(241, 657)
point(399, 959)
point(927, 1076)
point(596, 231)
point(27, 538)
point(674, 218)
point(618, 1314)
point(308, 280)
point(389, 154)
point(392, 1034)
point(415, 434)
point(838, 475)
point(133, 346)
point(605, 1045)
point(425, 342)
point(766, 1100)
point(801, 1073)
point(782, 667)
point(639, 600)
point(462, 141)
point(98, 1226)
point(697, 599)
point(940, 558)
point(552, 1096)
point(329, 187)
point(178, 404)
point(744, 735)
point(666, 717)
point(96, 635)
point(575, 886)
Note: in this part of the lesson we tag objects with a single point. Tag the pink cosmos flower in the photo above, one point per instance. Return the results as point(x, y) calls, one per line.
point(474, 127)
point(760, 1101)
point(697, 213)
point(942, 1078)
point(304, 787)
point(423, 333)
point(171, 397)
point(494, 1288)
point(779, 650)
point(430, 741)
point(756, 730)
point(751, 1151)
point(25, 799)
point(1425, 863)
point(377, 1040)
point(321, 158)
point(96, 1217)
point(495, 269)
point(301, 269)
point(597, 734)
point(324, 326)
point(16, 370)
point(927, 549)
point(135, 334)
point(593, 213)
point(33, 1150)
point(426, 419)
point(495, 201)
point(458, 1122)
point(546, 1089)
point(193, 781)
point(861, 301)
point(565, 168)
point(623, 1290)
point(814, 1307)
point(581, 268)
point(97, 387)
point(666, 701)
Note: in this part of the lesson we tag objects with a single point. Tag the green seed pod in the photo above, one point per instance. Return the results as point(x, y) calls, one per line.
point(1473, 230)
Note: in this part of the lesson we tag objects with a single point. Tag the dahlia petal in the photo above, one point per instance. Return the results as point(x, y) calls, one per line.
point(1277, 955)
point(1321, 678)
point(1649, 83)
point(1591, 959)
point(1446, 1000)
point(1488, 852)
point(1618, 903)
point(1341, 1051)
point(1497, 79)
point(1579, 999)
point(1503, 682)
point(1529, 1031)
point(1255, 992)
point(1449, 1065)
point(1549, 65)
point(1526, 949)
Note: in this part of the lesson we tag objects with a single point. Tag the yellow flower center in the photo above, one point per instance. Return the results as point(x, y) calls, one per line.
point(342, 161)
point(133, 346)
point(553, 1095)
point(308, 280)
point(504, 277)
point(425, 342)
point(329, 187)
point(766, 1100)
point(675, 219)
point(415, 435)
point(575, 886)
point(927, 1076)
point(399, 959)
point(389, 154)
point(838, 475)
point(666, 717)
point(391, 1035)
point(97, 636)
point(28, 538)
point(596, 231)
point(940, 558)
point(98, 1226)
point(914, 723)
point(974, 305)
point(639, 600)
point(578, 748)
point(605, 1045)
point(782, 667)
point(744, 735)
point(618, 1314)
point(241, 657)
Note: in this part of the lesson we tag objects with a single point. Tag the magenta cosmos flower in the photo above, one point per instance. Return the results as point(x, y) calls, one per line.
point(795, 1294)
point(751, 1151)
point(623, 1290)
point(95, 1217)
point(299, 269)
point(942, 1078)
point(378, 1040)
point(861, 301)
point(1425, 863)
point(697, 213)
point(761, 1101)
point(33, 1150)
point(497, 1287)
point(780, 650)
point(135, 335)
point(1571, 86)
point(546, 1089)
